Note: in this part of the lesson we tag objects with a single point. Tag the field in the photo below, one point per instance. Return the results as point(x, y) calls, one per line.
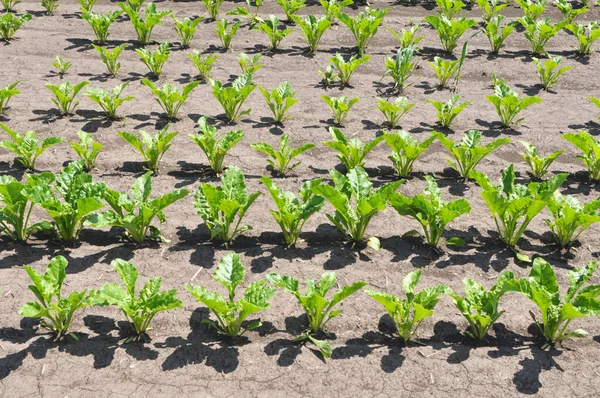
point(181, 357)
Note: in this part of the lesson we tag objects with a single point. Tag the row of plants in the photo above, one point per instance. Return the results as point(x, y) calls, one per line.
point(232, 312)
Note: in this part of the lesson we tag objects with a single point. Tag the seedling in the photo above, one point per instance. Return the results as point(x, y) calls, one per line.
point(364, 26)
point(232, 98)
point(340, 106)
point(281, 158)
point(61, 65)
point(271, 28)
point(213, 8)
point(351, 152)
point(87, 5)
point(247, 13)
point(109, 102)
point(26, 146)
point(448, 111)
point(249, 65)
point(590, 149)
point(151, 148)
point(497, 34)
point(9, 5)
point(143, 27)
point(538, 164)
point(539, 32)
point(171, 98)
point(449, 8)
point(345, 69)
point(405, 150)
point(586, 36)
point(109, 58)
point(291, 7)
point(100, 23)
point(227, 35)
point(532, 9)
point(313, 29)
point(449, 30)
point(65, 95)
point(203, 64)
point(6, 93)
point(408, 38)
point(280, 100)
point(570, 218)
point(154, 60)
point(87, 149)
point(214, 148)
point(393, 111)
point(490, 9)
point(508, 104)
point(333, 8)
point(550, 70)
point(401, 67)
point(186, 29)
point(50, 6)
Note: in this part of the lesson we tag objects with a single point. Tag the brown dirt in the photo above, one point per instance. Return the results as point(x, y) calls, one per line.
point(184, 358)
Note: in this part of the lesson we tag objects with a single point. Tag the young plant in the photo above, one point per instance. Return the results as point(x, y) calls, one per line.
point(333, 8)
point(64, 96)
point(393, 111)
point(514, 206)
point(318, 309)
point(479, 306)
point(227, 35)
point(154, 60)
point(136, 5)
point(449, 8)
point(109, 102)
point(570, 218)
point(80, 199)
point(109, 58)
point(223, 208)
point(340, 106)
point(508, 104)
point(539, 32)
point(313, 29)
point(232, 98)
point(26, 146)
point(249, 65)
point(345, 69)
point(186, 29)
point(293, 212)
point(490, 9)
point(203, 64)
point(214, 148)
point(231, 313)
point(87, 5)
point(567, 10)
point(401, 67)
point(213, 8)
point(590, 149)
point(541, 287)
point(280, 100)
point(280, 159)
point(538, 164)
point(6, 93)
point(9, 24)
point(405, 150)
point(497, 34)
point(364, 26)
point(151, 148)
point(144, 26)
point(54, 311)
point(139, 310)
point(9, 5)
point(448, 111)
point(595, 101)
point(16, 207)
point(61, 65)
point(329, 76)
point(351, 152)
point(449, 30)
point(408, 38)
point(431, 211)
point(355, 202)
point(87, 149)
point(271, 28)
point(171, 98)
point(136, 211)
point(408, 314)
point(247, 13)
point(50, 6)
point(532, 9)
point(101, 22)
point(291, 7)
point(586, 36)
point(550, 70)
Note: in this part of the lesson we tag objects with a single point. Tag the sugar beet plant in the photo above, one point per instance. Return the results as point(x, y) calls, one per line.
point(508, 104)
point(186, 29)
point(87, 149)
point(6, 93)
point(9, 24)
point(215, 148)
point(271, 28)
point(539, 32)
point(203, 64)
point(570, 218)
point(213, 8)
point(171, 98)
point(280, 100)
point(232, 98)
point(225, 31)
point(50, 6)
point(449, 30)
point(26, 146)
point(318, 309)
point(87, 5)
point(405, 150)
point(282, 157)
point(151, 148)
point(333, 8)
point(550, 70)
point(449, 8)
point(448, 111)
point(61, 65)
point(364, 25)
point(408, 38)
point(590, 151)
point(65, 95)
point(340, 106)
point(100, 23)
point(9, 5)
point(586, 36)
point(291, 7)
point(109, 58)
point(248, 13)
point(393, 111)
point(313, 29)
point(109, 102)
point(345, 69)
point(144, 26)
point(249, 65)
point(496, 33)
point(229, 312)
point(351, 152)
point(537, 163)
point(154, 60)
point(401, 67)
point(490, 9)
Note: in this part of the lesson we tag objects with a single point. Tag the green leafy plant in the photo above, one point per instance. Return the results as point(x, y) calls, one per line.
point(87, 5)
point(364, 25)
point(227, 35)
point(229, 312)
point(271, 28)
point(448, 111)
point(356, 189)
point(61, 65)
point(280, 100)
point(136, 211)
point(293, 211)
point(586, 36)
point(550, 70)
point(87, 149)
point(508, 104)
point(313, 29)
point(171, 98)
point(16, 207)
point(401, 68)
point(203, 64)
point(9, 5)
point(50, 6)
point(340, 106)
point(449, 30)
point(109, 58)
point(351, 152)
point(468, 154)
point(54, 311)
point(291, 7)
point(154, 60)
point(514, 206)
point(26, 146)
point(538, 164)
point(214, 148)
point(541, 287)
point(151, 148)
point(497, 34)
point(345, 69)
point(249, 65)
point(408, 314)
point(479, 306)
point(595, 101)
point(109, 102)
point(407, 38)
point(65, 95)
point(329, 76)
point(139, 310)
point(223, 208)
point(135, 5)
point(144, 26)
point(213, 8)
point(447, 70)
point(80, 199)
point(532, 9)
point(186, 29)
point(100, 23)
point(567, 10)
point(590, 149)
point(333, 8)
point(405, 150)
point(281, 158)
point(449, 8)
point(393, 111)
point(570, 218)
point(6, 93)
point(431, 211)
point(490, 9)
point(318, 309)
point(247, 13)
point(539, 32)
point(232, 98)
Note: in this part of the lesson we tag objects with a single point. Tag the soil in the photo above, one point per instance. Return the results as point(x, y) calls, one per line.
point(184, 358)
